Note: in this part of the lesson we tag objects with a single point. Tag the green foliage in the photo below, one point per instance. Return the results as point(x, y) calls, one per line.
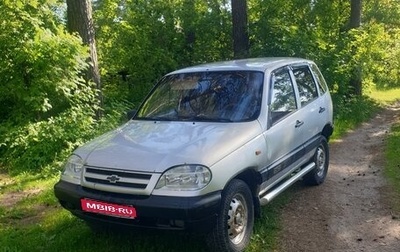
point(368, 49)
point(43, 145)
point(144, 40)
point(34, 145)
point(318, 30)
point(40, 63)
point(139, 41)
point(48, 110)
point(350, 111)
point(47, 106)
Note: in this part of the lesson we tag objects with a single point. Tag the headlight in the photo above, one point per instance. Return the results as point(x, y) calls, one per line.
point(72, 170)
point(185, 178)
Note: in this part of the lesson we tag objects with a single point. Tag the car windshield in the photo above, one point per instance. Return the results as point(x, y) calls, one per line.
point(224, 96)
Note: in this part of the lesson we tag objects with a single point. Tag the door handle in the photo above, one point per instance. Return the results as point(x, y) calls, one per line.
point(298, 123)
point(321, 109)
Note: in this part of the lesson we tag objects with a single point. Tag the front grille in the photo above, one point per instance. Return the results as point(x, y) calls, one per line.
point(123, 184)
point(115, 180)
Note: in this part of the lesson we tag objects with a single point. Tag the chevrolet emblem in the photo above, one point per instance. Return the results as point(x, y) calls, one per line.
point(113, 179)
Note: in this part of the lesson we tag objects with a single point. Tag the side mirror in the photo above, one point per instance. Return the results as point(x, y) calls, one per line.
point(131, 113)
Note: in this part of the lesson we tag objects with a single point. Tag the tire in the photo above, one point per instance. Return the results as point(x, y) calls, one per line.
point(235, 222)
point(321, 159)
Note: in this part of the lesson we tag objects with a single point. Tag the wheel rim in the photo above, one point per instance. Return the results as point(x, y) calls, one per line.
point(237, 219)
point(320, 161)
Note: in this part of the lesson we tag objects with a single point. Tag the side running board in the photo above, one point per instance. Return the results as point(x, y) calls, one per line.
point(276, 191)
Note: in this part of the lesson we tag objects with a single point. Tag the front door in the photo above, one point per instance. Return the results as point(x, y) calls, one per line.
point(284, 136)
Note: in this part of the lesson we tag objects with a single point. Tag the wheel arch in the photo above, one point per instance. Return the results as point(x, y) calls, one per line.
point(253, 180)
point(327, 131)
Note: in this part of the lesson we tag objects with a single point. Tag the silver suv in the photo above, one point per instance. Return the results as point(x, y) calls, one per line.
point(208, 146)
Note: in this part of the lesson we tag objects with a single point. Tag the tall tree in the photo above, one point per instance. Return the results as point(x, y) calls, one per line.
point(240, 29)
point(355, 23)
point(355, 14)
point(79, 19)
point(189, 29)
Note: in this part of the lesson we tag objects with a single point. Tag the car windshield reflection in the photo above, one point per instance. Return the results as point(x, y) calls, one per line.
point(225, 96)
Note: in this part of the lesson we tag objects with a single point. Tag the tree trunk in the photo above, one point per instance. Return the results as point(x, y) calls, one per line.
point(79, 19)
point(355, 14)
point(240, 29)
point(355, 23)
point(189, 31)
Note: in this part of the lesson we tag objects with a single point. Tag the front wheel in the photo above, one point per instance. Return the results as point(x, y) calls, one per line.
point(321, 159)
point(235, 221)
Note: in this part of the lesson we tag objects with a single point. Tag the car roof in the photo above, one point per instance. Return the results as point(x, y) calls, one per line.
point(253, 64)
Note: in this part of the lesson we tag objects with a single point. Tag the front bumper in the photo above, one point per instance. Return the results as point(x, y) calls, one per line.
point(160, 212)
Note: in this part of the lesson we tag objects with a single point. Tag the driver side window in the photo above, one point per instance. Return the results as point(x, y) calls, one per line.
point(282, 96)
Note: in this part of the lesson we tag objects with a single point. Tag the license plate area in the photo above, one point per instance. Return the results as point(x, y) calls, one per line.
point(110, 209)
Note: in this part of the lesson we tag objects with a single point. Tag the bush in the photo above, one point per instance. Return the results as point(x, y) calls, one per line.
point(47, 107)
point(45, 144)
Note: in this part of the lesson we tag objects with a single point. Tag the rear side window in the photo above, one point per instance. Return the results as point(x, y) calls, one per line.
point(305, 84)
point(320, 80)
point(283, 98)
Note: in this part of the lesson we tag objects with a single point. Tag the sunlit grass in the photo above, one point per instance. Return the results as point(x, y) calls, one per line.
point(385, 96)
point(268, 227)
point(349, 113)
point(392, 170)
point(392, 150)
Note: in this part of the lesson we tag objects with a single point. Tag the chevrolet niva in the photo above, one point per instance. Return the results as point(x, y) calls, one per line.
point(209, 145)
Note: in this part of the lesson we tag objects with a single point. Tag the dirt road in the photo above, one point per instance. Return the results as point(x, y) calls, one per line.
point(349, 212)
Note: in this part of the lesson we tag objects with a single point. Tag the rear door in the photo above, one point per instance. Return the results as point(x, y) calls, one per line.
point(311, 112)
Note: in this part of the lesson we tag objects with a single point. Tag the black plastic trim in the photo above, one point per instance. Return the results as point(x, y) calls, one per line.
point(292, 157)
point(159, 212)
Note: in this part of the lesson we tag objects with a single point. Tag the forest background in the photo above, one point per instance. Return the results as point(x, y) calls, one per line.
point(48, 107)
point(50, 103)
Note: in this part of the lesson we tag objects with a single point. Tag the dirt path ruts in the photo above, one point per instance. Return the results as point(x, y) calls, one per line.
point(349, 211)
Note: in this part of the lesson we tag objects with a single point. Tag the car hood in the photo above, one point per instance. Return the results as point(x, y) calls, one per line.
point(150, 146)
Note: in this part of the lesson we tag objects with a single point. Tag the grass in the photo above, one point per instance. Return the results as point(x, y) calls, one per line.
point(392, 170)
point(32, 220)
point(60, 231)
point(392, 149)
point(351, 112)
point(385, 96)
point(37, 223)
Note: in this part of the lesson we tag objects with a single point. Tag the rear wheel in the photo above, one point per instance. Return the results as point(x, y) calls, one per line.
point(321, 159)
point(236, 219)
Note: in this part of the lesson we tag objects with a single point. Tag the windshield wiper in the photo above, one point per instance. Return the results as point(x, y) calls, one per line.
point(154, 118)
point(204, 118)
point(198, 118)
